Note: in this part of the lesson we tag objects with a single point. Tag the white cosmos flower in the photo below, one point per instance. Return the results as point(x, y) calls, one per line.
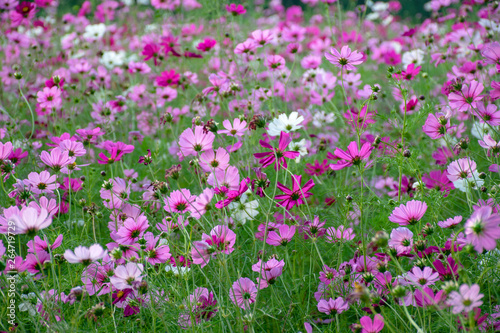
point(300, 147)
point(285, 124)
point(243, 211)
point(94, 31)
point(112, 59)
point(28, 303)
point(473, 182)
point(321, 117)
point(177, 270)
point(414, 56)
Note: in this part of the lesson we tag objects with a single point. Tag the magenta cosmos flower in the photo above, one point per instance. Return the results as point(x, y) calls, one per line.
point(192, 143)
point(346, 59)
point(353, 155)
point(482, 229)
point(467, 97)
point(220, 240)
point(369, 326)
point(243, 292)
point(410, 213)
point(295, 195)
point(277, 154)
point(466, 299)
point(84, 255)
point(426, 297)
point(235, 9)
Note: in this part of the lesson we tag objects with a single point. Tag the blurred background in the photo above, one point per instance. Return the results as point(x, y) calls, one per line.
point(411, 8)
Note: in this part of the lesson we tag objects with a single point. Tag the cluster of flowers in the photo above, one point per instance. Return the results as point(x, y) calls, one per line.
point(130, 182)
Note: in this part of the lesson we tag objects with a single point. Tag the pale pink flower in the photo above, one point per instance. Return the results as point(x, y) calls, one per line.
point(84, 255)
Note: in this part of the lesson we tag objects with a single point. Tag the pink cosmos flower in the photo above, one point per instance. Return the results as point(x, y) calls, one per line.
point(438, 180)
point(353, 155)
point(230, 178)
point(425, 297)
point(37, 244)
point(201, 306)
point(332, 306)
point(369, 326)
point(74, 148)
point(490, 144)
point(341, 233)
point(482, 229)
point(275, 62)
point(328, 275)
point(49, 98)
point(131, 230)
point(29, 221)
point(192, 143)
point(345, 59)
point(42, 182)
point(22, 14)
point(467, 97)
point(155, 254)
point(235, 9)
point(206, 45)
point(461, 169)
point(179, 201)
point(36, 262)
point(243, 293)
point(270, 271)
point(451, 222)
point(57, 159)
point(168, 78)
point(277, 155)
point(296, 195)
point(488, 114)
point(436, 125)
point(465, 299)
point(410, 73)
point(219, 84)
point(422, 278)
point(220, 240)
point(90, 135)
point(284, 236)
point(84, 255)
point(262, 37)
point(409, 213)
point(202, 203)
point(151, 51)
point(211, 160)
point(5, 150)
point(491, 53)
point(127, 276)
point(401, 240)
point(238, 128)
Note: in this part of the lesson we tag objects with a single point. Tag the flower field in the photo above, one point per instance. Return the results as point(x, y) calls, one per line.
point(208, 166)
